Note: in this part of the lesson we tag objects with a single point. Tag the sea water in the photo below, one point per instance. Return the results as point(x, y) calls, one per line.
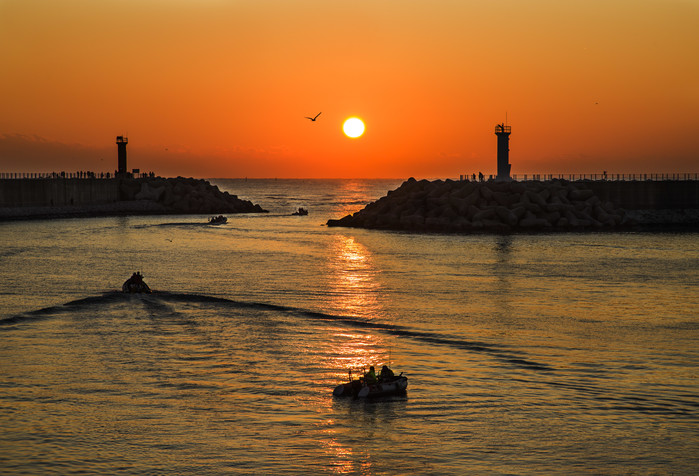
point(525, 354)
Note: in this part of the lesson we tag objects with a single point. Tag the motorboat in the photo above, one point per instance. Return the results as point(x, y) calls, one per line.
point(219, 220)
point(300, 212)
point(363, 387)
point(135, 284)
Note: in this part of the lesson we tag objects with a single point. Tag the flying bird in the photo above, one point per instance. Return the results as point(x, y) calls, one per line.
point(314, 118)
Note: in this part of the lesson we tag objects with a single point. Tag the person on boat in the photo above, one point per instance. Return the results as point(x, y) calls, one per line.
point(370, 376)
point(386, 373)
point(135, 284)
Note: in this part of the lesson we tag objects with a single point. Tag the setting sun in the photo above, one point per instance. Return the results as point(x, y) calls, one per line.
point(353, 127)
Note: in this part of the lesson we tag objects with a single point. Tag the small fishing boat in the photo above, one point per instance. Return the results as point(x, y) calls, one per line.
point(219, 220)
point(135, 284)
point(300, 212)
point(365, 387)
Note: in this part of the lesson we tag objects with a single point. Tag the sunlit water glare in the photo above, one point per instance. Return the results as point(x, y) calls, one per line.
point(526, 354)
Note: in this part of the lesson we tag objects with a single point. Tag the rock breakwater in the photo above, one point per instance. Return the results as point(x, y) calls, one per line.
point(185, 195)
point(470, 207)
point(121, 197)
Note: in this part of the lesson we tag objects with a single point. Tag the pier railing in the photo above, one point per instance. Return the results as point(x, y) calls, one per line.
point(516, 177)
point(66, 175)
point(592, 177)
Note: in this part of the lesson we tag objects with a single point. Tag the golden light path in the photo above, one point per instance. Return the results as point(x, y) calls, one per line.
point(354, 291)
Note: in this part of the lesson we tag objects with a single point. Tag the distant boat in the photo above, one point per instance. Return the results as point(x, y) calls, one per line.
point(219, 220)
point(300, 212)
point(135, 284)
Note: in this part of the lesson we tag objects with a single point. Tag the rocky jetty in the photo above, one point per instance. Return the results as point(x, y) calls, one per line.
point(143, 196)
point(184, 195)
point(495, 207)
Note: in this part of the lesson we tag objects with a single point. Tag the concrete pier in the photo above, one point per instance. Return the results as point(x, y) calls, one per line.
point(46, 192)
point(648, 194)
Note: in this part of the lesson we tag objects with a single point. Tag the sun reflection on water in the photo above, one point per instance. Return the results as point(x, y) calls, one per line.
point(354, 290)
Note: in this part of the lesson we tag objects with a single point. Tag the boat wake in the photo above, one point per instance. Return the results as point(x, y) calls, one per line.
point(164, 305)
point(158, 300)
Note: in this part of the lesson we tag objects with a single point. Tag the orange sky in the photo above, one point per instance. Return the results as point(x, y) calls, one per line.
point(220, 88)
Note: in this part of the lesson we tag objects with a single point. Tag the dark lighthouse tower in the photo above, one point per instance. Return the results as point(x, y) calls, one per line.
point(503, 133)
point(121, 142)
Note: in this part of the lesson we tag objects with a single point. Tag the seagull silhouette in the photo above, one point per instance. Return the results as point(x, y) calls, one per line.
point(314, 118)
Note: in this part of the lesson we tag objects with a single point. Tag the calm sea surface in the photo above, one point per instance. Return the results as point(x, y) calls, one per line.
point(546, 354)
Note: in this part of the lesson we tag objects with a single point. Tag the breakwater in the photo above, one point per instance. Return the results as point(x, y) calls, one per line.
point(42, 192)
point(648, 194)
point(75, 197)
point(555, 205)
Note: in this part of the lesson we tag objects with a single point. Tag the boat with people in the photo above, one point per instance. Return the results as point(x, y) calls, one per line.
point(300, 212)
point(369, 385)
point(135, 284)
point(219, 220)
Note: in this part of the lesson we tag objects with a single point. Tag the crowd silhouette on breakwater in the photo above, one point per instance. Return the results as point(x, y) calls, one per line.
point(472, 177)
point(604, 176)
point(80, 174)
